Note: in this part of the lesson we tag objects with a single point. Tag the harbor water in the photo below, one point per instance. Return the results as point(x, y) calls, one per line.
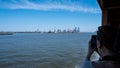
point(35, 50)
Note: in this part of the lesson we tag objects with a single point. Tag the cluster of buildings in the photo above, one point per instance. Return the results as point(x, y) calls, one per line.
point(75, 30)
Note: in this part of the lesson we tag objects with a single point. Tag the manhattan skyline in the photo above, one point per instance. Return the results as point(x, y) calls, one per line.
point(29, 15)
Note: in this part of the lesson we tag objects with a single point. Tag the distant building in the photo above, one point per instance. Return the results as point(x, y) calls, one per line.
point(75, 30)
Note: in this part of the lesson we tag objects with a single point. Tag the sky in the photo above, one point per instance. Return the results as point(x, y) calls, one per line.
point(45, 15)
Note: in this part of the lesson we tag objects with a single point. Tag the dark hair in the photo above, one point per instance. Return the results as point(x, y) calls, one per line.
point(109, 36)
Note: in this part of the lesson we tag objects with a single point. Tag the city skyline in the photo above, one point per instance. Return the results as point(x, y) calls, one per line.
point(74, 30)
point(29, 15)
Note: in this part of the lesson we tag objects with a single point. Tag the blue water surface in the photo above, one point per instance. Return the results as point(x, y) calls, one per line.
point(35, 50)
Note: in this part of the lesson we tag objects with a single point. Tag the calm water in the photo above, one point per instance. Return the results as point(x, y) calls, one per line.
point(43, 50)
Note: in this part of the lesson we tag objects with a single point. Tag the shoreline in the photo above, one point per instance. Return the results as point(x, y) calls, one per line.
point(6, 33)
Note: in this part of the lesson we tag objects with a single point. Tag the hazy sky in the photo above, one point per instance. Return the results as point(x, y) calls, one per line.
point(30, 15)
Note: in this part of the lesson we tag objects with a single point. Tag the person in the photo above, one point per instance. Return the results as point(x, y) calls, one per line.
point(108, 48)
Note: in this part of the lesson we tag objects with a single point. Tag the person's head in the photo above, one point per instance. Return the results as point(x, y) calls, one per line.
point(108, 39)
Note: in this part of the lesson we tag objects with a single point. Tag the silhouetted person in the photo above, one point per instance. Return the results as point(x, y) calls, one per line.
point(108, 47)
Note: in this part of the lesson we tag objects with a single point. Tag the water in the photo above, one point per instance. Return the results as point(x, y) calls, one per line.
point(34, 50)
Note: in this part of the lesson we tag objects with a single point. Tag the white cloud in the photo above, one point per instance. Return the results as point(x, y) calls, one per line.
point(57, 5)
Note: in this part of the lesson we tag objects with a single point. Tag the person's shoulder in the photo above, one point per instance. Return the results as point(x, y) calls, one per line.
point(106, 64)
